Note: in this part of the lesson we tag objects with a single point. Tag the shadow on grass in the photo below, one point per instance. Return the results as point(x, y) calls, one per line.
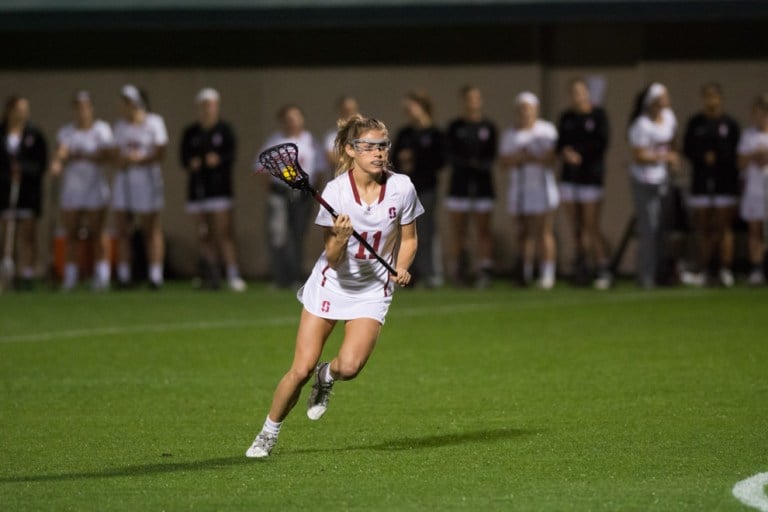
point(404, 443)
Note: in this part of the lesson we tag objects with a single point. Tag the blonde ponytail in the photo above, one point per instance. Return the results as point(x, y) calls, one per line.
point(350, 129)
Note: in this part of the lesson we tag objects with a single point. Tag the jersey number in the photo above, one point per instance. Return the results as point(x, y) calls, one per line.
point(361, 248)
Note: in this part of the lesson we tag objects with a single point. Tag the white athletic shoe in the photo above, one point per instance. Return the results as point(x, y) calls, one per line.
point(726, 277)
point(319, 396)
point(697, 279)
point(547, 283)
point(756, 278)
point(262, 446)
point(603, 281)
point(236, 284)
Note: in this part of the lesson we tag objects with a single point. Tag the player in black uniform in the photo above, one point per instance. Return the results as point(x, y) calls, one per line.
point(583, 139)
point(472, 148)
point(711, 139)
point(208, 155)
point(23, 159)
point(419, 152)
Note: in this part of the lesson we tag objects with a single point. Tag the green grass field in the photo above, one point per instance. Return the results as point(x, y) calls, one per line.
point(497, 400)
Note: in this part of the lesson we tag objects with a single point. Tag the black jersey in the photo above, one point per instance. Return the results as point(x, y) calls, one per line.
point(209, 182)
point(587, 134)
point(427, 148)
point(472, 148)
point(719, 135)
point(32, 159)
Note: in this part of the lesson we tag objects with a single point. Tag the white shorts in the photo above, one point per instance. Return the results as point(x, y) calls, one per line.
point(575, 193)
point(83, 189)
point(138, 190)
point(715, 201)
point(210, 205)
point(468, 204)
point(324, 303)
point(753, 207)
point(532, 200)
point(18, 214)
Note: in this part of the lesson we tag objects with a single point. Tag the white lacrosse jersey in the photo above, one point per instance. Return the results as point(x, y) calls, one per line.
point(89, 142)
point(646, 134)
point(142, 138)
point(307, 153)
point(753, 140)
point(360, 274)
point(533, 177)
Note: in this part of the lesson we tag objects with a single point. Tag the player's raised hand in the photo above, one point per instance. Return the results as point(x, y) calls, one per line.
point(342, 227)
point(403, 277)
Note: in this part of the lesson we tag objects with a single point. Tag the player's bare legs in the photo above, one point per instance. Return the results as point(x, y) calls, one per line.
point(153, 236)
point(459, 222)
point(204, 228)
point(70, 220)
point(223, 239)
point(527, 245)
point(756, 249)
point(27, 239)
point(724, 242)
point(122, 231)
point(485, 247)
point(545, 224)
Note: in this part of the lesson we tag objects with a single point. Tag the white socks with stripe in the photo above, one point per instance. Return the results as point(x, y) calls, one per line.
point(271, 427)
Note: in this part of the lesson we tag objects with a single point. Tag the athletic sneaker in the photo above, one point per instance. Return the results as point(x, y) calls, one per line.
point(603, 281)
point(726, 277)
point(320, 395)
point(261, 446)
point(756, 278)
point(236, 284)
point(547, 283)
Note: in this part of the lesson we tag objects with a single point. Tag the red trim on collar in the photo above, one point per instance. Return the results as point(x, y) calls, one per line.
point(354, 188)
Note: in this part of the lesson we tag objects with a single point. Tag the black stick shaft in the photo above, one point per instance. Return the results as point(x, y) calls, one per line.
point(355, 234)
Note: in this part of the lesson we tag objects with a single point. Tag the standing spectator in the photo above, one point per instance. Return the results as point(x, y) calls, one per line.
point(753, 160)
point(472, 144)
point(23, 159)
point(652, 132)
point(528, 151)
point(84, 146)
point(419, 152)
point(583, 140)
point(346, 107)
point(208, 155)
point(289, 210)
point(710, 142)
point(137, 191)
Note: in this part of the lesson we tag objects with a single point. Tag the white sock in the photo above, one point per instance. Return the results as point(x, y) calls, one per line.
point(156, 272)
point(271, 427)
point(102, 271)
point(28, 273)
point(325, 374)
point(70, 274)
point(233, 272)
point(548, 270)
point(527, 271)
point(123, 272)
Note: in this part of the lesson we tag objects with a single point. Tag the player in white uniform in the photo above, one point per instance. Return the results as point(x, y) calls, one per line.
point(84, 147)
point(753, 160)
point(652, 136)
point(528, 151)
point(141, 139)
point(347, 283)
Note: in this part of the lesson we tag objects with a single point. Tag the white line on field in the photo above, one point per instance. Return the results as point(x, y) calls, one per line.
point(538, 302)
point(751, 492)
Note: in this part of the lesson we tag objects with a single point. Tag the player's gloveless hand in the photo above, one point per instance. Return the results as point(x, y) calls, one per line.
point(342, 227)
point(403, 277)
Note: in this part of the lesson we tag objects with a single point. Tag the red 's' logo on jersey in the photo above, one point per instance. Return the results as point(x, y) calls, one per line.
point(392, 212)
point(325, 306)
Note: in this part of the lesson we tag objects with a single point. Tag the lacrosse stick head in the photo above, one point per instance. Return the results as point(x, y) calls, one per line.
point(282, 162)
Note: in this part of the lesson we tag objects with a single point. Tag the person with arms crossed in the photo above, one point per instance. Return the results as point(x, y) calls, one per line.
point(419, 152)
point(347, 284)
point(652, 131)
point(583, 139)
point(208, 155)
point(753, 161)
point(137, 190)
point(23, 160)
point(471, 142)
point(710, 142)
point(528, 151)
point(84, 147)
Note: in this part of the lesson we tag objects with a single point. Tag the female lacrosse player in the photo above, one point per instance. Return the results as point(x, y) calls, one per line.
point(347, 283)
point(84, 146)
point(208, 155)
point(583, 139)
point(141, 139)
point(651, 135)
point(23, 159)
point(471, 143)
point(528, 151)
point(710, 144)
point(753, 160)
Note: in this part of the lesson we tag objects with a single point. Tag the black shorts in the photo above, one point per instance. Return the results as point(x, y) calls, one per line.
point(707, 183)
point(471, 183)
point(30, 195)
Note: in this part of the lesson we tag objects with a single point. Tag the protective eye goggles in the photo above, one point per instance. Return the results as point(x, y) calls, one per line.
point(364, 146)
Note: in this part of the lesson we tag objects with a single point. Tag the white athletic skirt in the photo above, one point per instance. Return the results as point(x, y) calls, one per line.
point(138, 190)
point(532, 192)
point(83, 188)
point(322, 302)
